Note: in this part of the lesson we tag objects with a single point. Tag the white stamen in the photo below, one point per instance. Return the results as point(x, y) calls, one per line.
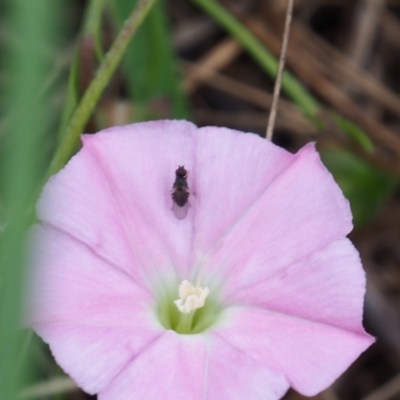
point(191, 297)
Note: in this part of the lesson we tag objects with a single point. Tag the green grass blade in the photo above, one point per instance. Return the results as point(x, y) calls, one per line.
point(72, 97)
point(32, 23)
point(365, 186)
point(97, 86)
point(92, 25)
point(150, 63)
point(354, 132)
point(91, 30)
point(290, 85)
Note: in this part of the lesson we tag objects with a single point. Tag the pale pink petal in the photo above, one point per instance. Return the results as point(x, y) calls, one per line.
point(233, 375)
point(70, 283)
point(327, 287)
point(94, 355)
point(311, 355)
point(93, 314)
point(173, 367)
point(232, 171)
point(138, 163)
point(301, 211)
point(78, 201)
point(195, 367)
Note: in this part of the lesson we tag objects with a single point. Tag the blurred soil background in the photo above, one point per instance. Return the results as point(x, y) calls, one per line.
point(183, 64)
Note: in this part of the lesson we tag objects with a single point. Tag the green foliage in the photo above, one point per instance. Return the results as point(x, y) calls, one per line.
point(91, 29)
point(354, 132)
point(150, 64)
point(21, 164)
point(92, 25)
point(365, 186)
point(93, 93)
point(72, 96)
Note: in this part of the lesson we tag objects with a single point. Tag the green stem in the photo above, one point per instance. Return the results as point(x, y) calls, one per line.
point(94, 91)
point(263, 56)
point(91, 28)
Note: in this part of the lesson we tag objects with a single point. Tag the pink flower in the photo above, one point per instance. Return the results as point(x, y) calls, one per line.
point(273, 294)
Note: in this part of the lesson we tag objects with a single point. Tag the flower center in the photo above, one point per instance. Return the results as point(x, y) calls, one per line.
point(194, 312)
point(191, 297)
point(191, 313)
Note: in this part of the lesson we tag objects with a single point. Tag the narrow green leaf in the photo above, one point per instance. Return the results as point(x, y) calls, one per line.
point(91, 28)
point(354, 132)
point(92, 25)
point(290, 85)
point(150, 63)
point(72, 97)
point(103, 76)
point(365, 186)
point(32, 23)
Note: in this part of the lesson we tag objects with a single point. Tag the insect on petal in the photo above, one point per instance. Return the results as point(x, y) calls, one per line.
point(180, 212)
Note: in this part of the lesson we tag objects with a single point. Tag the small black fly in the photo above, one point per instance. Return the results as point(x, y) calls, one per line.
point(180, 193)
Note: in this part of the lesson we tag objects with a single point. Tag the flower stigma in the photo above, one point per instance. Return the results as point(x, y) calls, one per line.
point(197, 308)
point(190, 299)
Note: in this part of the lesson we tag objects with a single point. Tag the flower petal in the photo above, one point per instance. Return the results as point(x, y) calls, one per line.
point(69, 283)
point(172, 367)
point(326, 287)
point(79, 202)
point(195, 367)
point(309, 354)
point(233, 375)
point(86, 308)
point(94, 355)
point(301, 211)
point(232, 171)
point(138, 163)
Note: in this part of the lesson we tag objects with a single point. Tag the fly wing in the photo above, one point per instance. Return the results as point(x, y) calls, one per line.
point(180, 212)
